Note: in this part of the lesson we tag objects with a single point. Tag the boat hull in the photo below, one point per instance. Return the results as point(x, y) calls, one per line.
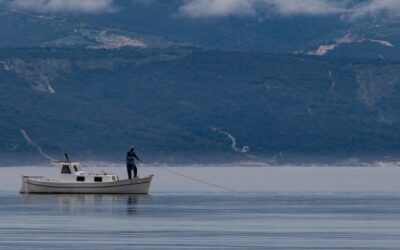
point(42, 186)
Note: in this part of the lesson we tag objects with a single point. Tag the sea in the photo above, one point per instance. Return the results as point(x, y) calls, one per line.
point(211, 207)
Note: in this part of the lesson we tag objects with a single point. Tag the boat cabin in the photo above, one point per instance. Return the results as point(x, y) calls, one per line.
point(72, 172)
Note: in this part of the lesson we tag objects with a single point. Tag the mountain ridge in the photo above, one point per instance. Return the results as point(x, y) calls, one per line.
point(188, 101)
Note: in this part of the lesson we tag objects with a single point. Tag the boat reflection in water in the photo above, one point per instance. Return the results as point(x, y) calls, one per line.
point(87, 204)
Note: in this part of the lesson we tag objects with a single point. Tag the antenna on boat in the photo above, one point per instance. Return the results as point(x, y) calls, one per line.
point(66, 157)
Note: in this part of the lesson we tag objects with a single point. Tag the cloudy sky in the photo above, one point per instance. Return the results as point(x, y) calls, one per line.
point(85, 6)
point(199, 8)
point(221, 8)
point(224, 8)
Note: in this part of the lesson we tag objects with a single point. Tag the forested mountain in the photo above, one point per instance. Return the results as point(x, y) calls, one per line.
point(349, 28)
point(189, 103)
point(200, 80)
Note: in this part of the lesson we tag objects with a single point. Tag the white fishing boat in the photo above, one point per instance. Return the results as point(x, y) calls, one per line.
point(73, 180)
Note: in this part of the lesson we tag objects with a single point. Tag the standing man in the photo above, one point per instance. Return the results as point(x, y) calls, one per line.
point(130, 162)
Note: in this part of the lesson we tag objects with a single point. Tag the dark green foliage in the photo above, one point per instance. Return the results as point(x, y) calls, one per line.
point(167, 101)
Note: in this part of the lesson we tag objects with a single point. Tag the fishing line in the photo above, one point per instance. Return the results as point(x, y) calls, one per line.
point(199, 180)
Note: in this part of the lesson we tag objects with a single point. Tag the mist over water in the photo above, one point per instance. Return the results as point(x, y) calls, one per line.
point(277, 208)
point(243, 177)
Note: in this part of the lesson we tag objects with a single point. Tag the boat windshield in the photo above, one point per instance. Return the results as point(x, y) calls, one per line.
point(65, 169)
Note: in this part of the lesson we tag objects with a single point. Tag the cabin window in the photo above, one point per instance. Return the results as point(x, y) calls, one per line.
point(75, 168)
point(98, 179)
point(80, 178)
point(65, 169)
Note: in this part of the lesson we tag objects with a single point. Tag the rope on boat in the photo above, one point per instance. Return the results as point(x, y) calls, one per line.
point(199, 180)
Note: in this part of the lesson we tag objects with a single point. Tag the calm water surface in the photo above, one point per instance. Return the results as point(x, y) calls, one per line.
point(200, 221)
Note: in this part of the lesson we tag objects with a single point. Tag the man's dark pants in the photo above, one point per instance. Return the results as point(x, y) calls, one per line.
point(131, 167)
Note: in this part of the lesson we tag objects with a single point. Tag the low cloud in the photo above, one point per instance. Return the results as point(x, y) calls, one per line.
point(344, 8)
point(220, 8)
point(303, 7)
point(199, 8)
point(389, 8)
point(85, 6)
